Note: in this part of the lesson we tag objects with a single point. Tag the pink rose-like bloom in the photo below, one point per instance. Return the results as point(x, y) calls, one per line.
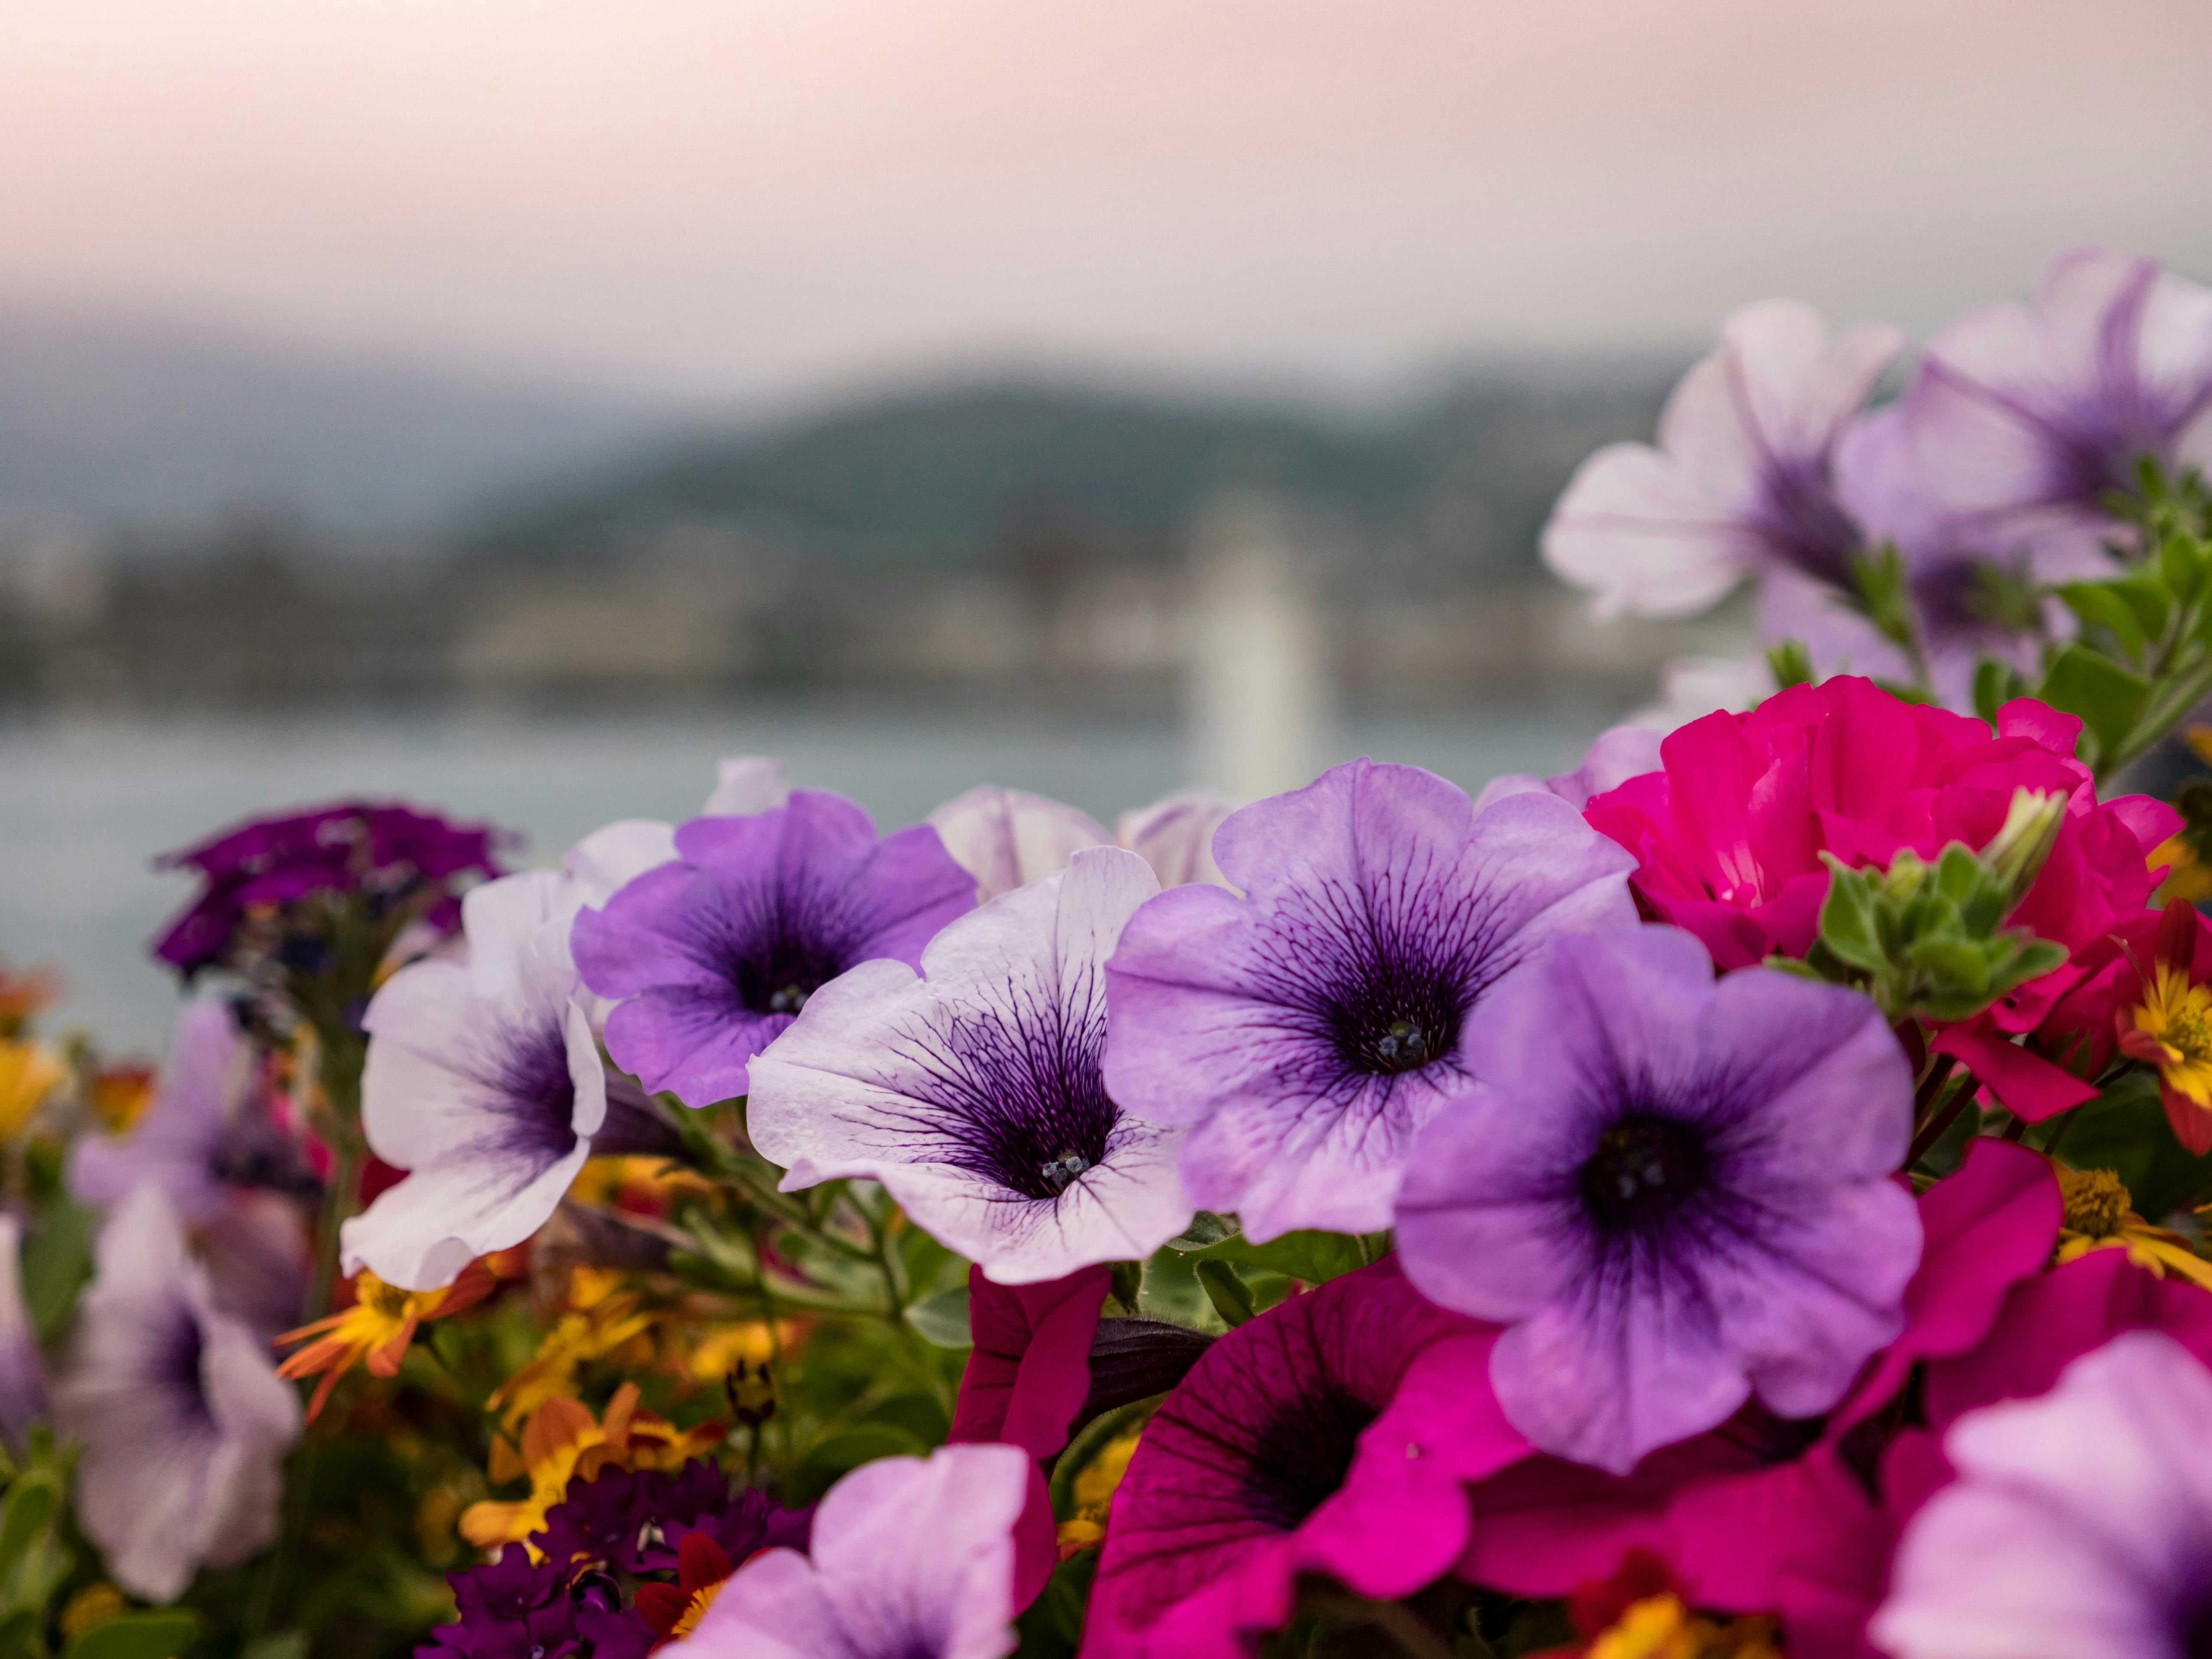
point(1331, 1435)
point(1728, 833)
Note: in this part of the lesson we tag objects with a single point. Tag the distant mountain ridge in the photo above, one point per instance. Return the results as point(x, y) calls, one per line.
point(104, 422)
point(939, 477)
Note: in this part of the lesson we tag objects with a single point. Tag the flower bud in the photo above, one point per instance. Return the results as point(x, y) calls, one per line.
point(2030, 829)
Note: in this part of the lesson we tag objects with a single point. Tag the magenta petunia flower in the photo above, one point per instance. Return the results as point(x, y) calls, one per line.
point(710, 956)
point(1743, 478)
point(2080, 1524)
point(2024, 420)
point(974, 1093)
point(1330, 1435)
point(909, 1560)
point(1675, 1193)
point(1310, 1025)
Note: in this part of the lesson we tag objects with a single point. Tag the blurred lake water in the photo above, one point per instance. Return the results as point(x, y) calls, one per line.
point(85, 805)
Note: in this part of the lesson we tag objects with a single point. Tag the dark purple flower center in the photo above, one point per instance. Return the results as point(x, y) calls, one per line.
point(1020, 1100)
point(1805, 526)
point(1644, 1169)
point(1303, 1451)
point(1396, 1019)
point(781, 949)
point(176, 1366)
point(2194, 1626)
point(525, 1070)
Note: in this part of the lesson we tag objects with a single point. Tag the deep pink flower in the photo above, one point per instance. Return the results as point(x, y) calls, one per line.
point(1729, 835)
point(1331, 1435)
point(1026, 1381)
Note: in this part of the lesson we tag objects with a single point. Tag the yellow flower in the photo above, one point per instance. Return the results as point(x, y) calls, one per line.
point(377, 1328)
point(1093, 1490)
point(600, 1319)
point(643, 1185)
point(2188, 877)
point(562, 1441)
point(746, 1343)
point(1661, 1627)
point(29, 1072)
point(2098, 1218)
point(2171, 1029)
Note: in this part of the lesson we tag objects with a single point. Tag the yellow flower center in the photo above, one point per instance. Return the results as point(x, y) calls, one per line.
point(1661, 1627)
point(2096, 1202)
point(697, 1609)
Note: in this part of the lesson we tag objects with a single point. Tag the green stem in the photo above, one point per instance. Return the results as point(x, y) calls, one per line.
point(1941, 1120)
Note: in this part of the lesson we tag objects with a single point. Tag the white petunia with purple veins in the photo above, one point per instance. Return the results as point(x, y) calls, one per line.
point(1675, 1193)
point(2080, 1525)
point(973, 1092)
point(909, 1558)
point(1309, 1026)
point(2022, 421)
point(484, 1082)
point(184, 1420)
point(1743, 480)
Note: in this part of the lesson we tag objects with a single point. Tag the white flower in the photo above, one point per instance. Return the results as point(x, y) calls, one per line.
point(184, 1421)
point(1007, 838)
point(974, 1091)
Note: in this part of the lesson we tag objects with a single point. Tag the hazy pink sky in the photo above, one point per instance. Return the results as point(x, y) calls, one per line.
point(735, 194)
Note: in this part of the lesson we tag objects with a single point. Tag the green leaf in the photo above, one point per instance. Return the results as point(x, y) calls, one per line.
point(19, 1634)
point(1231, 1296)
point(1847, 921)
point(1314, 1257)
point(1128, 1283)
point(57, 1262)
point(162, 1634)
point(1205, 1229)
point(1791, 663)
point(2104, 695)
point(845, 1450)
point(30, 1505)
point(2100, 604)
point(942, 1319)
point(284, 1644)
point(1996, 684)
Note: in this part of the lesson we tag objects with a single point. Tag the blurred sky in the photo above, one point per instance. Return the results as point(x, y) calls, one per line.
point(733, 196)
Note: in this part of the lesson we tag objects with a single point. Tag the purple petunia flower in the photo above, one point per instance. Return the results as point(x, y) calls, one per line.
point(973, 1092)
point(1309, 1026)
point(910, 1559)
point(1743, 480)
point(634, 1520)
point(207, 1137)
point(2023, 420)
point(2080, 1525)
point(183, 1419)
point(1676, 1194)
point(1331, 1435)
point(393, 854)
point(714, 954)
point(484, 1081)
point(510, 1609)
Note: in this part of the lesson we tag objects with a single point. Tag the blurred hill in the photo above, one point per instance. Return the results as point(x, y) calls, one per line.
point(956, 477)
point(104, 420)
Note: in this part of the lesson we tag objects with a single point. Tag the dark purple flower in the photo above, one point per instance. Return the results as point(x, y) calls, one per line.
point(635, 1520)
point(1330, 1435)
point(2024, 420)
point(510, 1609)
point(1675, 1193)
point(1311, 1024)
point(394, 854)
point(712, 954)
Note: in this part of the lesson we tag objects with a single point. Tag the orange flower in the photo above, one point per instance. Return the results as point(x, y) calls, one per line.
point(562, 1441)
point(119, 1097)
point(376, 1329)
point(24, 994)
point(2171, 1030)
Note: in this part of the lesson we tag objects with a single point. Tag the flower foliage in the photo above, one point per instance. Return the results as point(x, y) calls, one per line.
point(1742, 1194)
